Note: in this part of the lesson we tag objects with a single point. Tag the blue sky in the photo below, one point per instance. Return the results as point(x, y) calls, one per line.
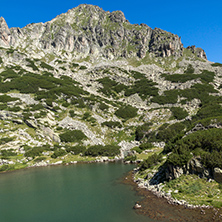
point(197, 22)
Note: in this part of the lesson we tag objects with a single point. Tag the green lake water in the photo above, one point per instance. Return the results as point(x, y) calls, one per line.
point(74, 193)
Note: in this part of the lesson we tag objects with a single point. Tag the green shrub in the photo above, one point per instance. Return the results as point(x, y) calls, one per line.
point(99, 150)
point(6, 140)
point(76, 149)
point(130, 158)
point(5, 99)
point(74, 65)
point(169, 133)
point(46, 66)
point(142, 130)
point(126, 112)
point(103, 106)
point(36, 151)
point(65, 104)
point(110, 87)
point(14, 109)
point(150, 161)
point(32, 64)
point(143, 87)
point(207, 143)
point(72, 136)
point(209, 110)
point(82, 67)
point(146, 146)
point(179, 159)
point(179, 78)
point(37, 107)
point(190, 69)
point(39, 159)
point(10, 51)
point(7, 153)
point(57, 153)
point(169, 97)
point(49, 102)
point(8, 74)
point(216, 64)
point(112, 124)
point(6, 168)
point(72, 113)
point(179, 113)
point(137, 149)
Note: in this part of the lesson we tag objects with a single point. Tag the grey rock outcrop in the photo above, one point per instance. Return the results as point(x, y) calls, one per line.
point(197, 51)
point(193, 167)
point(50, 133)
point(90, 31)
point(5, 34)
point(218, 175)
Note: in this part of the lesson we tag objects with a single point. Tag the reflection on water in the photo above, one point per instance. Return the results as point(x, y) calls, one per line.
point(81, 192)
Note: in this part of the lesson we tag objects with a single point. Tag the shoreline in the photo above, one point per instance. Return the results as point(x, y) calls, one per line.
point(153, 204)
point(159, 208)
point(60, 163)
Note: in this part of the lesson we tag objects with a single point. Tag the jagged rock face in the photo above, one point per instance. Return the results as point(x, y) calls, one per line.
point(90, 31)
point(193, 167)
point(4, 33)
point(197, 51)
point(164, 45)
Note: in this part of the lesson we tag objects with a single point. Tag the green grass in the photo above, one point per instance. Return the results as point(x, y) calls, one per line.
point(216, 64)
point(195, 190)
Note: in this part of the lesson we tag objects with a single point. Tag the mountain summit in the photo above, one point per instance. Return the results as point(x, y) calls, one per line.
point(88, 30)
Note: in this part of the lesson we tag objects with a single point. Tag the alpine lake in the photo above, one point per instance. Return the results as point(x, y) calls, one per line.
point(79, 192)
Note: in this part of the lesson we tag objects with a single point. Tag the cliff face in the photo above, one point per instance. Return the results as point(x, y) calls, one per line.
point(90, 31)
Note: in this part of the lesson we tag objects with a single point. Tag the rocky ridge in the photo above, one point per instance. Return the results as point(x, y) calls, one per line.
point(90, 31)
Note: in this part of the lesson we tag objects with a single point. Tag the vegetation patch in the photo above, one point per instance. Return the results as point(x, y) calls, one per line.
point(195, 190)
point(216, 64)
point(142, 86)
point(205, 77)
point(110, 87)
point(151, 161)
point(99, 150)
point(46, 66)
point(5, 99)
point(126, 112)
point(75, 150)
point(169, 97)
point(142, 130)
point(5, 140)
point(32, 64)
point(72, 136)
point(179, 113)
point(36, 151)
point(206, 143)
point(112, 124)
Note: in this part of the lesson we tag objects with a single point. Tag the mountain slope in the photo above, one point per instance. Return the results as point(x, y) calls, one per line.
point(89, 85)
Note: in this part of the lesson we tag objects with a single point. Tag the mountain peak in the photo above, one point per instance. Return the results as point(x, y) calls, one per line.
point(88, 30)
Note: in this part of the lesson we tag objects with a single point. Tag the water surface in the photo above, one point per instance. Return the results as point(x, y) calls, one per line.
point(80, 193)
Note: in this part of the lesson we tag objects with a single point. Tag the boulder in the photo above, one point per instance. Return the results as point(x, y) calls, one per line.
point(137, 206)
point(173, 172)
point(218, 174)
point(50, 133)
